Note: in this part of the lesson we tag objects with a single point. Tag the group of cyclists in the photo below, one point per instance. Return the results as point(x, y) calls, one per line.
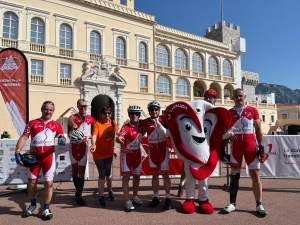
point(104, 134)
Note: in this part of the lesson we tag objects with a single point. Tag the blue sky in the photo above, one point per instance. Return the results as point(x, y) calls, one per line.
point(271, 29)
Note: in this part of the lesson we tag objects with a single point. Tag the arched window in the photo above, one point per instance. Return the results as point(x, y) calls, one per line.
point(163, 85)
point(181, 87)
point(95, 43)
point(37, 31)
point(162, 56)
point(142, 52)
point(120, 48)
point(180, 59)
point(212, 66)
point(10, 26)
point(227, 68)
point(197, 63)
point(65, 37)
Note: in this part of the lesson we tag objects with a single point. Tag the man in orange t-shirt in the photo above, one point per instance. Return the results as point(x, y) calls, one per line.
point(103, 140)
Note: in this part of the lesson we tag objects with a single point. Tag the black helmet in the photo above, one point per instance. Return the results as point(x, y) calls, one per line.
point(134, 108)
point(29, 160)
point(76, 136)
point(154, 104)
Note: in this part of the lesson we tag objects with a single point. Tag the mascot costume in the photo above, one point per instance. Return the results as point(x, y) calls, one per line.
point(196, 130)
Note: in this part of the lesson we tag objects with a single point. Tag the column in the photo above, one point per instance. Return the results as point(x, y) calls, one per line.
point(191, 92)
point(222, 95)
point(173, 91)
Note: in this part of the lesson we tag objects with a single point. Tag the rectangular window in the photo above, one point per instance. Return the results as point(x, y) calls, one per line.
point(65, 71)
point(143, 81)
point(272, 118)
point(263, 118)
point(284, 116)
point(36, 67)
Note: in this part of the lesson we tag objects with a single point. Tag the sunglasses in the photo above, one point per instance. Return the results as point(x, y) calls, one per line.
point(48, 102)
point(209, 96)
point(154, 109)
point(83, 106)
point(106, 113)
point(133, 113)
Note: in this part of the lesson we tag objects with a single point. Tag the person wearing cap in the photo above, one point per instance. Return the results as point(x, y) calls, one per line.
point(80, 121)
point(210, 95)
point(129, 138)
point(42, 132)
point(158, 154)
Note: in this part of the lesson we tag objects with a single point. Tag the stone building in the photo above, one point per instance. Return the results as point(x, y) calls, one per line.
point(111, 54)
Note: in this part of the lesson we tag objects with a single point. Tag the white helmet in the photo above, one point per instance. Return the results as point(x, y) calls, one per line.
point(76, 136)
point(154, 104)
point(134, 108)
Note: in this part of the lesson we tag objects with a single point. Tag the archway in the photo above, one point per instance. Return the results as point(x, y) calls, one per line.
point(98, 102)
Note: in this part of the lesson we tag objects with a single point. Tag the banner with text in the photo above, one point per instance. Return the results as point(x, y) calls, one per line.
point(283, 156)
point(14, 86)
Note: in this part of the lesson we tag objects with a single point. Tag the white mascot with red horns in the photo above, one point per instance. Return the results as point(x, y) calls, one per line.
point(196, 129)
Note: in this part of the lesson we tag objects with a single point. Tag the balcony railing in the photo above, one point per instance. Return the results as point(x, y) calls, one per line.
point(122, 62)
point(163, 69)
point(9, 43)
point(37, 47)
point(36, 78)
point(66, 52)
point(95, 57)
point(143, 65)
point(144, 89)
point(65, 81)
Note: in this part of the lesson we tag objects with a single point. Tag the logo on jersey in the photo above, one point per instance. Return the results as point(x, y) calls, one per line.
point(10, 65)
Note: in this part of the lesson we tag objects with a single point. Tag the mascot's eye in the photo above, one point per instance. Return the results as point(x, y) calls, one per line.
point(198, 110)
point(186, 124)
point(205, 130)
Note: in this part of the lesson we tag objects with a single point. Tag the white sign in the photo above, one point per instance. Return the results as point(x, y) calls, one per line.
point(12, 173)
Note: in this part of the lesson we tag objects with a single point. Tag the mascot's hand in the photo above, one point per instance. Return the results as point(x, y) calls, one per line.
point(224, 157)
point(261, 154)
point(159, 126)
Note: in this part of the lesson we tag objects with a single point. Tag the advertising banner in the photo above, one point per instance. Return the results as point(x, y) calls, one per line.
point(283, 156)
point(14, 86)
point(12, 173)
point(175, 163)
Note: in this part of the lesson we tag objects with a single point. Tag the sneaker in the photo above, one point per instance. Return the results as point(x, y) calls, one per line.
point(129, 206)
point(260, 209)
point(111, 196)
point(80, 201)
point(47, 214)
point(136, 200)
point(180, 191)
point(29, 211)
point(102, 202)
point(168, 204)
point(155, 201)
point(229, 208)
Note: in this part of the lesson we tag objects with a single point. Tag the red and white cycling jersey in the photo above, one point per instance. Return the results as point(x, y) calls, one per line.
point(154, 136)
point(243, 122)
point(42, 135)
point(84, 126)
point(132, 138)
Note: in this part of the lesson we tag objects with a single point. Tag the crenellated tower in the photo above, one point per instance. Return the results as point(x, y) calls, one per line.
point(230, 35)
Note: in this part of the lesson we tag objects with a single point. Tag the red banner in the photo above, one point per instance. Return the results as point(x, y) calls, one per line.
point(14, 86)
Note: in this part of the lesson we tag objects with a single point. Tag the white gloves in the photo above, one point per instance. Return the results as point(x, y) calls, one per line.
point(229, 133)
point(159, 126)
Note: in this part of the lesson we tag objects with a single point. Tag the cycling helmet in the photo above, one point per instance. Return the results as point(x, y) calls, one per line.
point(76, 136)
point(134, 108)
point(29, 160)
point(212, 92)
point(154, 104)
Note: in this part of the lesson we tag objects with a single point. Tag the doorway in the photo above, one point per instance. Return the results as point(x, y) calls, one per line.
point(98, 102)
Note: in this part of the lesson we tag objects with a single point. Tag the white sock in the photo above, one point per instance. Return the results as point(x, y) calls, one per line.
point(168, 195)
point(156, 195)
point(181, 183)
